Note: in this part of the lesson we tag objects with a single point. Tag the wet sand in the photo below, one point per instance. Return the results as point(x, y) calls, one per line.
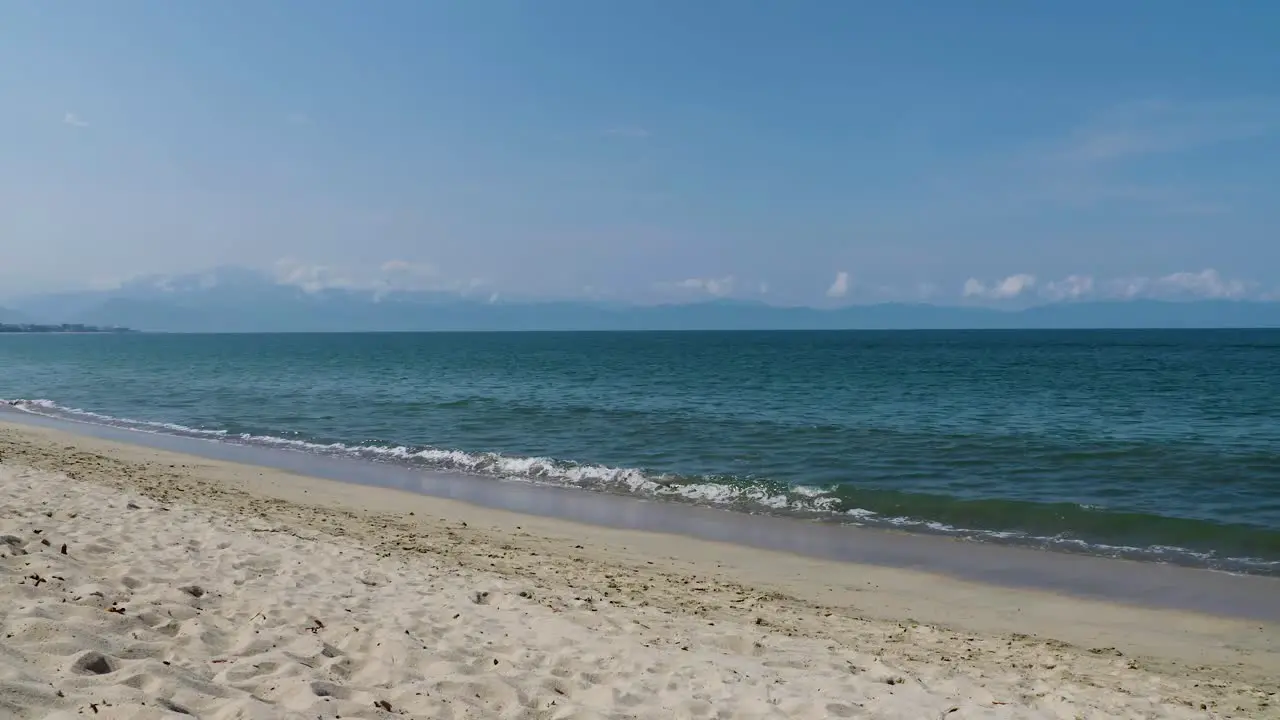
point(443, 608)
point(1138, 583)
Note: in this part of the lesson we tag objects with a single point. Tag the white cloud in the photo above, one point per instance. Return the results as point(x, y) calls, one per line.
point(311, 278)
point(1006, 289)
point(717, 287)
point(391, 276)
point(1206, 284)
point(840, 286)
point(401, 275)
point(404, 266)
point(1014, 285)
point(1072, 287)
point(405, 275)
point(74, 120)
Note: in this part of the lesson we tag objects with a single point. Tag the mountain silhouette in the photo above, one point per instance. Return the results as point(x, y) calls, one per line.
point(241, 300)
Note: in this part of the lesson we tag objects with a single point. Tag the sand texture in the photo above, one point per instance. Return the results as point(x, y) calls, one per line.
point(195, 588)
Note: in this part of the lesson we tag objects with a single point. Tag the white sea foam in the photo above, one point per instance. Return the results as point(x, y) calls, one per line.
point(802, 499)
point(533, 469)
point(41, 406)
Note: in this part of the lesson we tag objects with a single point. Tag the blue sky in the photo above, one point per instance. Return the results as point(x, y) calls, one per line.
point(795, 152)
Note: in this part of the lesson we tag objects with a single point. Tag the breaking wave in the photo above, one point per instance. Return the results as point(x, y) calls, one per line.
point(1062, 527)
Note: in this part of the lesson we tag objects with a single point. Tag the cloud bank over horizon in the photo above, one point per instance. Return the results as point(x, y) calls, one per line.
point(1207, 284)
point(1012, 291)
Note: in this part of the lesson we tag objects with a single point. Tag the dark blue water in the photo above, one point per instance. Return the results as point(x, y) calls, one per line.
point(1160, 445)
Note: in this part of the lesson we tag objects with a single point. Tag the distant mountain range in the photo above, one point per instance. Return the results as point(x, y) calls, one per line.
point(239, 300)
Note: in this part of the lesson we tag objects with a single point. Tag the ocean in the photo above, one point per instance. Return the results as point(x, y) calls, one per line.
point(1149, 445)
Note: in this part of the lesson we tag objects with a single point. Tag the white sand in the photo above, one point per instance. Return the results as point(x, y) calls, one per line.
point(192, 587)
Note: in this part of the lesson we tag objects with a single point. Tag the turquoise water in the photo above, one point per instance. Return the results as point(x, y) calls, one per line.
point(1161, 445)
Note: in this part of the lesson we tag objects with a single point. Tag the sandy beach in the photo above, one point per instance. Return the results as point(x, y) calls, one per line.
point(139, 583)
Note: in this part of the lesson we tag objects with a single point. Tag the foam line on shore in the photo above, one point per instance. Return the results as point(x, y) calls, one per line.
point(1147, 584)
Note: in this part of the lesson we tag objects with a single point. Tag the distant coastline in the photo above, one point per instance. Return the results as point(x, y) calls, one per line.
point(243, 300)
point(61, 328)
